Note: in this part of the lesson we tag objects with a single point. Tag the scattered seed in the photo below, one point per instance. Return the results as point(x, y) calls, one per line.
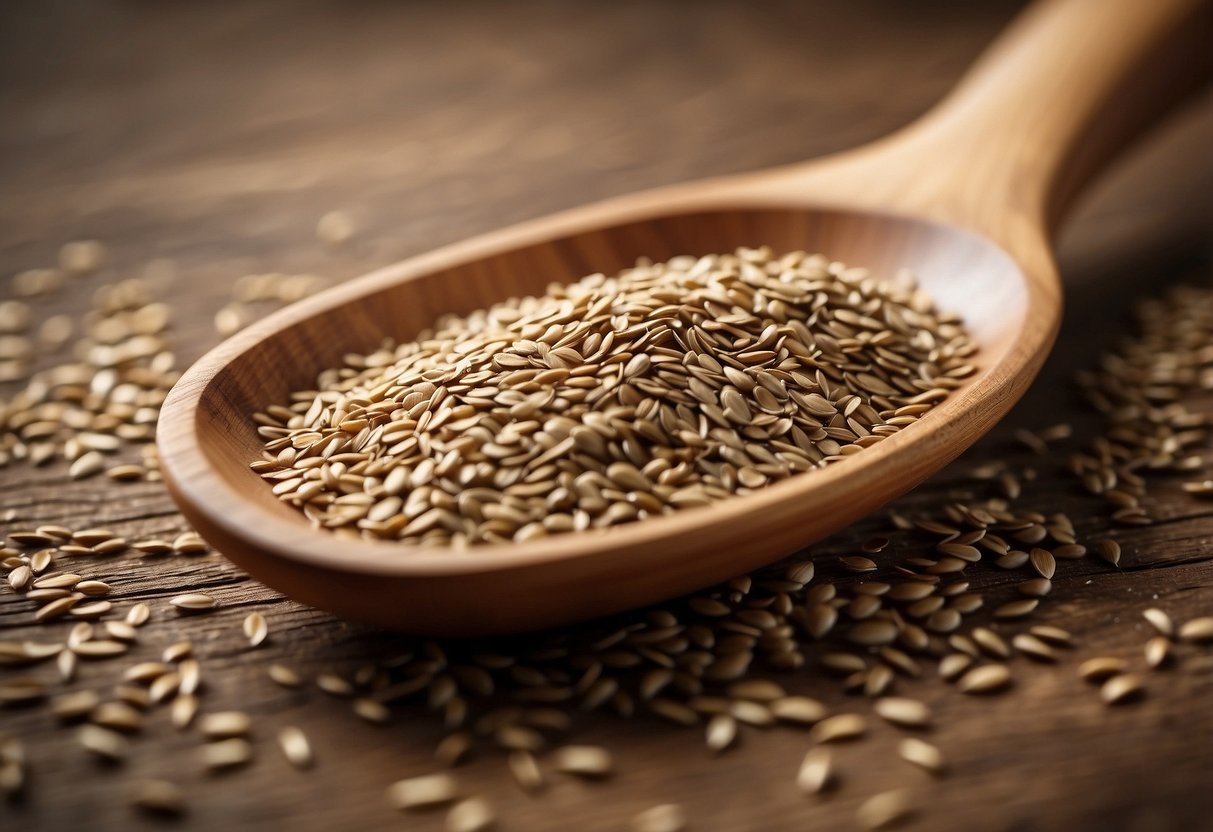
point(525, 771)
point(295, 747)
point(985, 679)
point(225, 724)
point(1198, 630)
point(226, 754)
point(158, 797)
point(1157, 650)
point(582, 760)
point(1016, 609)
point(885, 810)
point(922, 754)
point(1103, 667)
point(422, 792)
point(255, 628)
point(138, 615)
point(721, 732)
point(1123, 687)
point(667, 817)
point(193, 602)
point(1034, 647)
point(107, 744)
point(816, 771)
point(839, 728)
point(284, 676)
point(908, 713)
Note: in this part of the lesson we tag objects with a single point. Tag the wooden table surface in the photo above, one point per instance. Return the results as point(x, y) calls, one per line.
point(215, 135)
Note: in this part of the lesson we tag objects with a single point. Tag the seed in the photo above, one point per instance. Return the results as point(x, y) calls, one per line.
point(1198, 630)
point(1034, 647)
point(1043, 562)
point(1016, 609)
point(191, 675)
point(839, 728)
point(284, 676)
point(1035, 587)
point(722, 731)
point(295, 747)
point(816, 771)
point(798, 709)
point(87, 465)
point(335, 228)
point(81, 257)
point(470, 815)
point(885, 810)
point(922, 754)
point(92, 588)
point(1160, 621)
point(985, 679)
point(19, 577)
point(145, 672)
point(371, 710)
point(101, 649)
point(103, 742)
point(666, 817)
point(255, 628)
point(225, 724)
point(91, 611)
point(21, 691)
point(1123, 687)
point(453, 748)
point(334, 685)
point(1051, 634)
point(183, 710)
point(226, 754)
point(873, 633)
point(57, 608)
point(1098, 669)
point(582, 760)
point(117, 715)
point(756, 690)
point(1109, 550)
point(1158, 650)
point(525, 771)
point(193, 602)
point(908, 713)
point(858, 563)
point(69, 707)
point(158, 797)
point(138, 615)
point(177, 651)
point(422, 792)
point(1013, 559)
point(991, 642)
point(125, 473)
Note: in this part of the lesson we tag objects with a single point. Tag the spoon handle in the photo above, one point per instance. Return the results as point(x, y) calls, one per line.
point(1068, 85)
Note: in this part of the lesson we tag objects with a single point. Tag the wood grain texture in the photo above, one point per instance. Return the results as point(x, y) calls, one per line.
point(123, 122)
point(997, 151)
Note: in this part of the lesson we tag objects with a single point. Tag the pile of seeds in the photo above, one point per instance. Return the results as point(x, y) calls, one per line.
point(926, 597)
point(613, 399)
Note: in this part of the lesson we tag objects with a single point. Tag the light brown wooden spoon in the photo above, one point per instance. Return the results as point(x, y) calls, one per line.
point(967, 198)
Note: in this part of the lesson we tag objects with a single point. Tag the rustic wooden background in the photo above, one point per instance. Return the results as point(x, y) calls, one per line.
point(216, 134)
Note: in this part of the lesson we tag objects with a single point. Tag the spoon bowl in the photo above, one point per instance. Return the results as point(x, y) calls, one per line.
point(872, 207)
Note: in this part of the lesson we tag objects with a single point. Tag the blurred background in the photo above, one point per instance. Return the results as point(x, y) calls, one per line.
point(218, 133)
point(211, 138)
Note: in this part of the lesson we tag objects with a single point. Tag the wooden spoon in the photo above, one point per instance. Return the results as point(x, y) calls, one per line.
point(967, 198)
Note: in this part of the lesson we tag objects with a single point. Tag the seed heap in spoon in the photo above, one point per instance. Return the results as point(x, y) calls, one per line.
point(612, 399)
